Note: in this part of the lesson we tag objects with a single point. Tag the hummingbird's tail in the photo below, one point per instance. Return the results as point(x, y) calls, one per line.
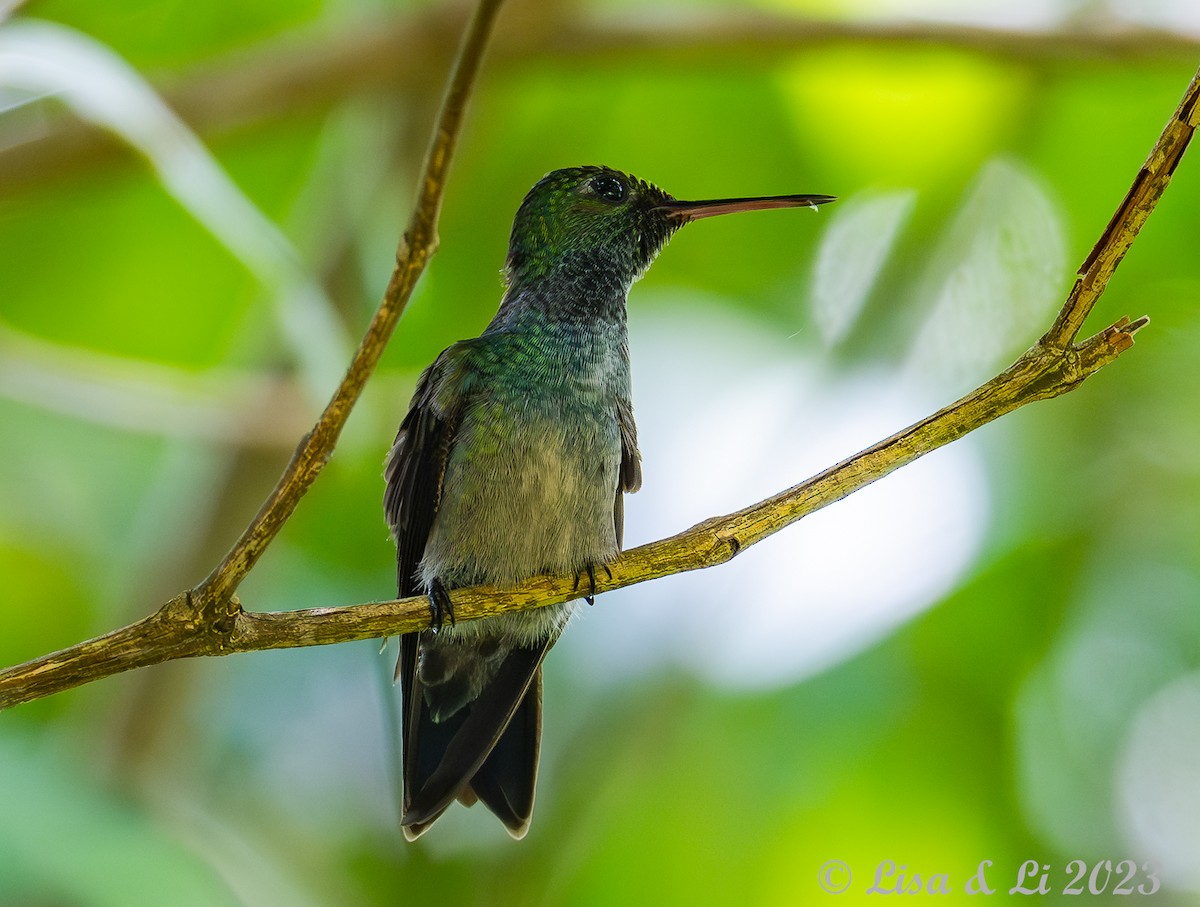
point(487, 750)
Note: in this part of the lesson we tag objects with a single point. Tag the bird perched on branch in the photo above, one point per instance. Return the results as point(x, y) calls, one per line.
point(513, 460)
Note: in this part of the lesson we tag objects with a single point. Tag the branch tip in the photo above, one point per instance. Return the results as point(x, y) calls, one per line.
point(1137, 324)
point(1119, 335)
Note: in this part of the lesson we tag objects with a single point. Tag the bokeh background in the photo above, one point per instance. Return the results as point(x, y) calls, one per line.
point(991, 655)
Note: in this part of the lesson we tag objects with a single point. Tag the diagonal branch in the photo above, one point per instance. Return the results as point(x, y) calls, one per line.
point(1127, 220)
point(417, 246)
point(1055, 365)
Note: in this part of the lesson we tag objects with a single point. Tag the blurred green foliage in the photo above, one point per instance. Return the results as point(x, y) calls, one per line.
point(999, 724)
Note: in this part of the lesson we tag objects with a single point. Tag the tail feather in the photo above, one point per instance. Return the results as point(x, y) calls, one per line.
point(442, 759)
point(507, 780)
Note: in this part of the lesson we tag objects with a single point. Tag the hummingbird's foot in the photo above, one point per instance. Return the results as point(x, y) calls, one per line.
point(439, 605)
point(591, 598)
point(590, 569)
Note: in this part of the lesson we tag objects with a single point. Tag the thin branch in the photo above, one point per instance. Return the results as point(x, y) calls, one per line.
point(175, 632)
point(1053, 366)
point(302, 71)
point(416, 248)
point(1131, 214)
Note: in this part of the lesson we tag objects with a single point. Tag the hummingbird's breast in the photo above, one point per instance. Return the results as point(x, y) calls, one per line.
point(531, 480)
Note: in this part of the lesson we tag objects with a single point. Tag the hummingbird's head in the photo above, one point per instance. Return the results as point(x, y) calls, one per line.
point(601, 221)
point(589, 217)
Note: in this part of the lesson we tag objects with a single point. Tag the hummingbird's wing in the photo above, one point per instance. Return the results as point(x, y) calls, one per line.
point(630, 479)
point(416, 465)
point(490, 748)
point(414, 472)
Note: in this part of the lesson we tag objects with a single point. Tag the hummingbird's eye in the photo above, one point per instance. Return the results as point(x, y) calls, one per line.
point(609, 188)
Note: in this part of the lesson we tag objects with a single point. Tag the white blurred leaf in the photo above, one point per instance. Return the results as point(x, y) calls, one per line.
point(854, 248)
point(995, 277)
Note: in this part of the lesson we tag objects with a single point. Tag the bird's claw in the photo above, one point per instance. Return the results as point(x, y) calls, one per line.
point(440, 607)
point(590, 569)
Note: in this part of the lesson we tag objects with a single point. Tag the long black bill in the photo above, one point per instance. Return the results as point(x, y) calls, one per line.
point(686, 212)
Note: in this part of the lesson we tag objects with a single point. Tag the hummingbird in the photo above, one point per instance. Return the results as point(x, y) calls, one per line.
point(512, 461)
